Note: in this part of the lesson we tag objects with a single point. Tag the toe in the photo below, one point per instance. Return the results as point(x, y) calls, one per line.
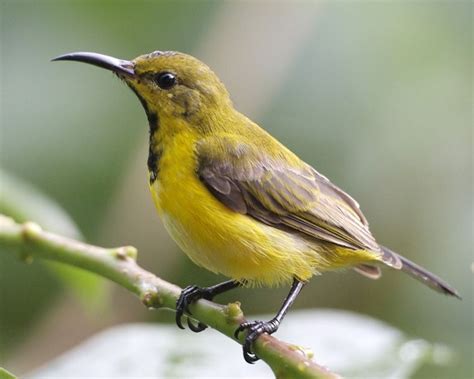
point(250, 357)
point(178, 320)
point(189, 295)
point(255, 329)
point(240, 329)
point(182, 304)
point(196, 328)
point(243, 326)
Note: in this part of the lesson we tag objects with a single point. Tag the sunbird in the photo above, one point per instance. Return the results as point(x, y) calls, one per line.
point(235, 199)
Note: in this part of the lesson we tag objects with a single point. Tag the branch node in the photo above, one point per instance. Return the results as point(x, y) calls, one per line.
point(131, 252)
point(124, 252)
point(151, 299)
point(119, 265)
point(233, 312)
point(30, 230)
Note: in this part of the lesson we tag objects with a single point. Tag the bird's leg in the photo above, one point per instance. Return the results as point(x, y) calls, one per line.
point(191, 294)
point(256, 328)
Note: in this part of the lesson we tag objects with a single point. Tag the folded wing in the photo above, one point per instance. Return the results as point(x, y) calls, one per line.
point(281, 191)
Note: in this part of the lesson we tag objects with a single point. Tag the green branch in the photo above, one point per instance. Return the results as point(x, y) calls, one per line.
point(119, 265)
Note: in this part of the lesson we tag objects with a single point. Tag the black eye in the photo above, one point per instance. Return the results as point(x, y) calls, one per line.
point(165, 80)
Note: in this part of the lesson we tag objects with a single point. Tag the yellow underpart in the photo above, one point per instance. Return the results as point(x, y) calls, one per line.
point(226, 242)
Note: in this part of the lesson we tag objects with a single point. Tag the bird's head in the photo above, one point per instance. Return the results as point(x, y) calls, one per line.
point(170, 85)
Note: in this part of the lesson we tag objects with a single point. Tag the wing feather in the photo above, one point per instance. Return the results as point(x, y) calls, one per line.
point(290, 197)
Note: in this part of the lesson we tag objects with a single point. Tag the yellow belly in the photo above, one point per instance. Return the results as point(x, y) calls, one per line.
point(229, 243)
point(226, 242)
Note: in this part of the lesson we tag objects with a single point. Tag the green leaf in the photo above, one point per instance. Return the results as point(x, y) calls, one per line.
point(4, 374)
point(23, 202)
point(349, 344)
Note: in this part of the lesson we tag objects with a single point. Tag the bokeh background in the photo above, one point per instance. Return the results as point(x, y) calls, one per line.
point(376, 95)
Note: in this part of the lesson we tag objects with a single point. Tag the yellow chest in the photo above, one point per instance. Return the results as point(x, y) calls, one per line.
point(214, 236)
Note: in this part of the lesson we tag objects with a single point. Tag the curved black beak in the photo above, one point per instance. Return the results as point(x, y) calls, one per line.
point(118, 66)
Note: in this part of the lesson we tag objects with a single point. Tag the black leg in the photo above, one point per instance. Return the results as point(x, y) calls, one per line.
point(256, 328)
point(193, 293)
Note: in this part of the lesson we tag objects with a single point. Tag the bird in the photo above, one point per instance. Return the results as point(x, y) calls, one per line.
point(236, 200)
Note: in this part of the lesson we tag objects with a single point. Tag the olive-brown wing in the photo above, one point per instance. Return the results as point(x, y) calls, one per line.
point(290, 197)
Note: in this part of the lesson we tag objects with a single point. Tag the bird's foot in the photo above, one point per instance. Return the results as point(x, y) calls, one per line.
point(188, 296)
point(254, 330)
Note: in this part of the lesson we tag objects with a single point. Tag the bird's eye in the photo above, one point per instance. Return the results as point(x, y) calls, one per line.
point(165, 80)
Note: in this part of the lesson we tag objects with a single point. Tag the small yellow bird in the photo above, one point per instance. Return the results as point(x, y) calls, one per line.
point(235, 199)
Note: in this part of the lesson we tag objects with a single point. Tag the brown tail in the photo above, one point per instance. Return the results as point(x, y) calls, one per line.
point(419, 273)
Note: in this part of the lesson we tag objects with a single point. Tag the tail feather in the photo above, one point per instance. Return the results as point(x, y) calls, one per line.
point(418, 272)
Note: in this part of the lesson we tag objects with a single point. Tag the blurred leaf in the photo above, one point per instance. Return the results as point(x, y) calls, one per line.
point(23, 202)
point(347, 343)
point(4, 374)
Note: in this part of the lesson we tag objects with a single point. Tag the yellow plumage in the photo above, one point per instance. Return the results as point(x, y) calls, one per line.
point(224, 241)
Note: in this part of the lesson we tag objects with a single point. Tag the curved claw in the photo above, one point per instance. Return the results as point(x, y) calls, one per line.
point(179, 315)
point(196, 328)
point(178, 320)
point(250, 357)
point(255, 329)
point(187, 297)
point(190, 294)
point(240, 329)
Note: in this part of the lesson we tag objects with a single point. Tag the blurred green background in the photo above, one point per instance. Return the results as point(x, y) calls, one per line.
point(376, 95)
